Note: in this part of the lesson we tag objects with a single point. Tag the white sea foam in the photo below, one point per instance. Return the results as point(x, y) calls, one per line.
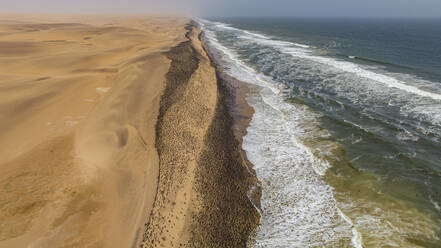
point(301, 45)
point(405, 135)
point(435, 203)
point(256, 35)
point(298, 206)
point(356, 235)
point(299, 209)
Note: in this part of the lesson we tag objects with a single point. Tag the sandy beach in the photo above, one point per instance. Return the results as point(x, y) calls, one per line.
point(204, 177)
point(115, 132)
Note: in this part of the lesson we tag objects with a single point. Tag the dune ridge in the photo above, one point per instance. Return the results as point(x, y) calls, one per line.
point(204, 181)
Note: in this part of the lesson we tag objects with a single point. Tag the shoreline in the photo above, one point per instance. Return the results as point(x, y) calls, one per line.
point(240, 112)
point(204, 177)
point(237, 114)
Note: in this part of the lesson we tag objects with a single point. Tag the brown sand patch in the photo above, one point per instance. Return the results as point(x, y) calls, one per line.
point(27, 184)
point(8, 48)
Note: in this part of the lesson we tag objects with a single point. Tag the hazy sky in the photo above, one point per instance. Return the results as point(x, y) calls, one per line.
point(383, 8)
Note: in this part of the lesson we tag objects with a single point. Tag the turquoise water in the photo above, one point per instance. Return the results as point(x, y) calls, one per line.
point(370, 91)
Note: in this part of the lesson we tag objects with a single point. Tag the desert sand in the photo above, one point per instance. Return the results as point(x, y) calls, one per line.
point(115, 132)
point(79, 99)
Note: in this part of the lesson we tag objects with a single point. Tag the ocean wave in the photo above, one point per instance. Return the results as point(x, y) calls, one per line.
point(287, 47)
point(361, 72)
point(368, 87)
point(291, 174)
point(362, 92)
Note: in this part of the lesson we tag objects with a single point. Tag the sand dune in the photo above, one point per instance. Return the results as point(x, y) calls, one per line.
point(79, 99)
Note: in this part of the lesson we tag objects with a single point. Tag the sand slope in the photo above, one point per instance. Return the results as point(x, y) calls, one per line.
point(79, 99)
point(187, 111)
point(204, 181)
